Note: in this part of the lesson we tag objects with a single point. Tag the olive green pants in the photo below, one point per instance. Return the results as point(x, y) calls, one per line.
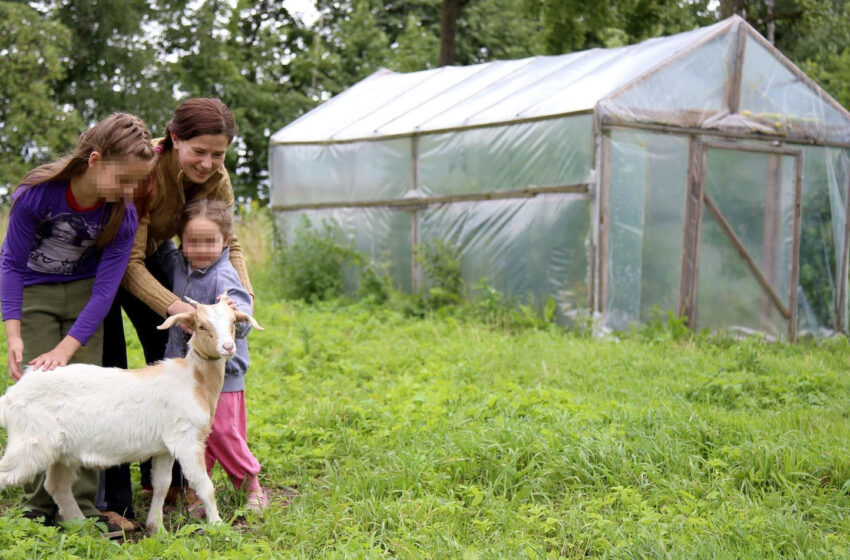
point(48, 313)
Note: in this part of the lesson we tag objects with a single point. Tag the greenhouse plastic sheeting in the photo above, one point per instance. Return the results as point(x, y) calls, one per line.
point(649, 174)
point(531, 249)
point(542, 153)
point(315, 173)
point(774, 94)
point(448, 98)
point(687, 92)
point(826, 173)
point(382, 235)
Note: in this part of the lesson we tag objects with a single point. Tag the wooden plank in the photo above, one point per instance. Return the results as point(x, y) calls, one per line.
point(754, 149)
point(691, 233)
point(686, 130)
point(742, 251)
point(795, 255)
point(733, 94)
point(422, 201)
point(604, 194)
point(771, 226)
point(842, 283)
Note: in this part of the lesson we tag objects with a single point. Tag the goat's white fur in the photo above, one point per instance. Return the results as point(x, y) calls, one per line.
point(85, 415)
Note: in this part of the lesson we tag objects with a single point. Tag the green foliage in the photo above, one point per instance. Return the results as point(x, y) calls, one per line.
point(34, 127)
point(386, 436)
point(441, 262)
point(312, 263)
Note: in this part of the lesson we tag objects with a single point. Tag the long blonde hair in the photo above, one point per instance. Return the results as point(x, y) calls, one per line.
point(118, 135)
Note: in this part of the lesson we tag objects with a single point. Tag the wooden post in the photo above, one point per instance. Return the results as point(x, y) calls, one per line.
point(692, 233)
point(604, 194)
point(842, 275)
point(771, 229)
point(795, 250)
point(733, 95)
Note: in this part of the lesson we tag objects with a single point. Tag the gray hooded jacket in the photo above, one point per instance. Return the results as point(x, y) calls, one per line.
point(204, 285)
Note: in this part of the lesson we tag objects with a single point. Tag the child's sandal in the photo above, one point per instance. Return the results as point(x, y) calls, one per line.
point(257, 500)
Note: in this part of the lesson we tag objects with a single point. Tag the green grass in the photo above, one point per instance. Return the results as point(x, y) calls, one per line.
point(396, 437)
point(388, 436)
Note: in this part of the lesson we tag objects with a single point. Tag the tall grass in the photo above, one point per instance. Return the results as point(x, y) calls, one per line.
point(393, 436)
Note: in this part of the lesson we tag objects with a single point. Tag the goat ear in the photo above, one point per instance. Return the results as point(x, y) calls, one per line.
point(241, 317)
point(186, 318)
point(223, 295)
point(192, 302)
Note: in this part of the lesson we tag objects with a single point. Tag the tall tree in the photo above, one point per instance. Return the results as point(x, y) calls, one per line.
point(112, 64)
point(448, 30)
point(242, 54)
point(34, 127)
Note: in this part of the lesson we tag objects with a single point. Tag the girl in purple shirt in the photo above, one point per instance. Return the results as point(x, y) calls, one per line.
point(70, 231)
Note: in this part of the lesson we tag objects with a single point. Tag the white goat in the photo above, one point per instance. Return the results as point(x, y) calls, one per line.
point(85, 415)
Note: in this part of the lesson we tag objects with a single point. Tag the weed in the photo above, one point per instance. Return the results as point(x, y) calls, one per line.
point(311, 265)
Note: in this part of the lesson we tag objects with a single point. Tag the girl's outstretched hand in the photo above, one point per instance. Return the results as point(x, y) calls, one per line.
point(16, 357)
point(59, 356)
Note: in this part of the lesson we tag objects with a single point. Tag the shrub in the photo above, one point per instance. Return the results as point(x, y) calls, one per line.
point(441, 262)
point(312, 264)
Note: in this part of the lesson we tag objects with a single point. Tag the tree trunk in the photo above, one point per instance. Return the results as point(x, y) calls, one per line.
point(731, 7)
point(448, 30)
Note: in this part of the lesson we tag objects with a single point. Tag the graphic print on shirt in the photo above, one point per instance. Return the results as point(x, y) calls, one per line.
point(63, 244)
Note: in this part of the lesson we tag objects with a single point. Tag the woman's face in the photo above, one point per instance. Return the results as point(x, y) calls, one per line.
point(200, 156)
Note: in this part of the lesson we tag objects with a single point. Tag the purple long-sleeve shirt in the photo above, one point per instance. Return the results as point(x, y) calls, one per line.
point(51, 239)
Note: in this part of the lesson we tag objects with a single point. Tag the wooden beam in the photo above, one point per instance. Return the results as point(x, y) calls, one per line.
point(733, 94)
point(421, 201)
point(692, 233)
point(742, 251)
point(795, 250)
point(690, 130)
point(604, 195)
point(842, 275)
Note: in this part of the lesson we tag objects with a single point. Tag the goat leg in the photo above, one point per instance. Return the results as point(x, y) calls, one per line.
point(58, 483)
point(192, 463)
point(161, 480)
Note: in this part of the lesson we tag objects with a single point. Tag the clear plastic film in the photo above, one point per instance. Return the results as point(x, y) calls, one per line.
point(646, 216)
point(345, 172)
point(530, 249)
point(513, 157)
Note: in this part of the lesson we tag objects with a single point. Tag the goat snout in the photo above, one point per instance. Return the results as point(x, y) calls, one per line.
point(228, 348)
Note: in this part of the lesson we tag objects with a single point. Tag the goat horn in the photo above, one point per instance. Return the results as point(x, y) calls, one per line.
point(194, 303)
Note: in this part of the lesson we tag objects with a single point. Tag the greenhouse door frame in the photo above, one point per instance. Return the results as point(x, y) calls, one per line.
point(698, 201)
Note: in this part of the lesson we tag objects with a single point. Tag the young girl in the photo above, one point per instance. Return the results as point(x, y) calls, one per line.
point(68, 241)
point(202, 270)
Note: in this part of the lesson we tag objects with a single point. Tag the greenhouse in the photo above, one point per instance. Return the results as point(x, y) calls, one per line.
point(701, 174)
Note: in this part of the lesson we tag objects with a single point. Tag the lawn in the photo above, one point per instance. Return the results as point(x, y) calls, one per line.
point(388, 435)
point(383, 435)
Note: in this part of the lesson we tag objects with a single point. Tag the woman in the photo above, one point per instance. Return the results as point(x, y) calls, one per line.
point(190, 166)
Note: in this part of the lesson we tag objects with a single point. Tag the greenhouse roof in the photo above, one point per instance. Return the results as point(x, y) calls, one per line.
point(724, 76)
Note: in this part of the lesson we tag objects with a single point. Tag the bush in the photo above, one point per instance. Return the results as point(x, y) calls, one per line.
point(441, 262)
point(311, 265)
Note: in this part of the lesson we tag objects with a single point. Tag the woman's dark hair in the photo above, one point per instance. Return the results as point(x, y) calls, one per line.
point(199, 116)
